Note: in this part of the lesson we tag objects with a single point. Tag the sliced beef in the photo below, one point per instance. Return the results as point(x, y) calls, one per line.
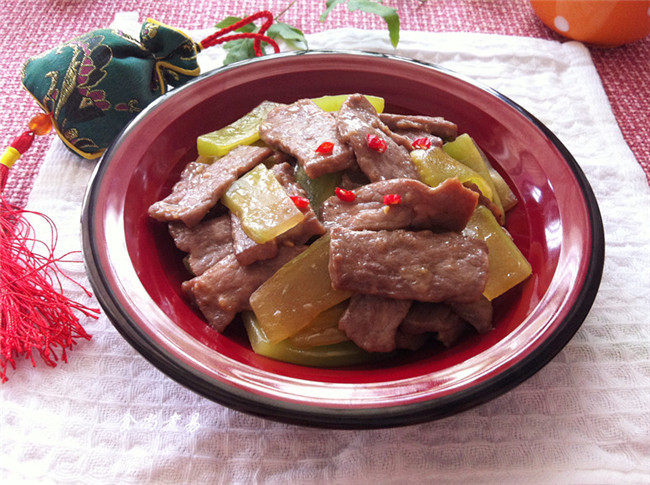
point(407, 137)
point(424, 124)
point(436, 318)
point(353, 178)
point(371, 321)
point(408, 265)
point(191, 174)
point(201, 187)
point(357, 119)
point(299, 129)
point(448, 206)
point(225, 288)
point(278, 157)
point(478, 313)
point(206, 243)
point(310, 225)
point(410, 341)
point(246, 250)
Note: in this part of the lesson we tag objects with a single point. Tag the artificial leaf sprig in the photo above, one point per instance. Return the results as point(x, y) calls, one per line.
point(389, 14)
point(241, 49)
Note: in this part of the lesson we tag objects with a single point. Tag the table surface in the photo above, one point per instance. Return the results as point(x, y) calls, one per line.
point(32, 26)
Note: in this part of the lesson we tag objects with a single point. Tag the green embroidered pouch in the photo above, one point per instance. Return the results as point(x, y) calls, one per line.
point(95, 84)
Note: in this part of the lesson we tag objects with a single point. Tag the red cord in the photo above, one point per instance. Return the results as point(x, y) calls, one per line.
point(35, 316)
point(218, 37)
point(4, 173)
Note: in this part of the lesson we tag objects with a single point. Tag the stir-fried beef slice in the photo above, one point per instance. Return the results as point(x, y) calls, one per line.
point(310, 225)
point(299, 129)
point(437, 318)
point(348, 183)
point(194, 195)
point(277, 158)
point(246, 250)
point(206, 243)
point(448, 206)
point(407, 265)
point(478, 313)
point(166, 208)
point(225, 288)
point(353, 178)
point(428, 124)
point(284, 174)
point(407, 137)
point(410, 341)
point(356, 120)
point(371, 321)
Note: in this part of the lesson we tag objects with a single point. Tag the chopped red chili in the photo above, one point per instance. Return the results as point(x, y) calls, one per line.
point(301, 202)
point(376, 143)
point(392, 199)
point(345, 195)
point(325, 148)
point(422, 143)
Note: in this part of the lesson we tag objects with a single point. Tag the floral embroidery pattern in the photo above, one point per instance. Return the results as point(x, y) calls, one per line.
point(131, 106)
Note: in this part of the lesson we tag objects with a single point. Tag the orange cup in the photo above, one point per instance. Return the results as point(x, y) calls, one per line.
point(604, 22)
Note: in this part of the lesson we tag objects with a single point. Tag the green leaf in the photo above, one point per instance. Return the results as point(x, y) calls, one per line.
point(387, 13)
point(228, 21)
point(329, 4)
point(288, 33)
point(238, 50)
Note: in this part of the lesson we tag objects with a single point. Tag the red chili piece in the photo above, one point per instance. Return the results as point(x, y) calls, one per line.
point(345, 195)
point(376, 143)
point(301, 202)
point(325, 148)
point(392, 199)
point(423, 143)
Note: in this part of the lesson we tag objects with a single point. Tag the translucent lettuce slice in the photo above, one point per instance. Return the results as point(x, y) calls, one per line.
point(336, 355)
point(465, 150)
point(244, 131)
point(300, 290)
point(319, 189)
point(262, 205)
point(435, 166)
point(323, 330)
point(507, 267)
point(334, 103)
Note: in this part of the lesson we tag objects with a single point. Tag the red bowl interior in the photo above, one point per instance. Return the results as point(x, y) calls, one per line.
point(140, 271)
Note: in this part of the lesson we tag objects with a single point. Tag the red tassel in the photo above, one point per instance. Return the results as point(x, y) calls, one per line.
point(23, 142)
point(35, 317)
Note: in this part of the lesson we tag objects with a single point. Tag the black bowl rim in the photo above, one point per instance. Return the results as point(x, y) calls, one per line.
point(336, 418)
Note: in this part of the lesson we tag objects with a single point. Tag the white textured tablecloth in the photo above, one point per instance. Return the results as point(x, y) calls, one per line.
point(109, 416)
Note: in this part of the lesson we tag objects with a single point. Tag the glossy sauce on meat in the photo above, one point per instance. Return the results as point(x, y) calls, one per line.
point(447, 207)
point(410, 265)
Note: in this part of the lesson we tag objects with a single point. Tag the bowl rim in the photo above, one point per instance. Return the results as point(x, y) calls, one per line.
point(336, 418)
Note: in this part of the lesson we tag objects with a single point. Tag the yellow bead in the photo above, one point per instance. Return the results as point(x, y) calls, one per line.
point(40, 124)
point(9, 157)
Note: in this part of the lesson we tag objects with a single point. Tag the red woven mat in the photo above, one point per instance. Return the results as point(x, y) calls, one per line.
point(32, 26)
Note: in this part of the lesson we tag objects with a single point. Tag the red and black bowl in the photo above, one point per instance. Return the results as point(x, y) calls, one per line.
point(137, 273)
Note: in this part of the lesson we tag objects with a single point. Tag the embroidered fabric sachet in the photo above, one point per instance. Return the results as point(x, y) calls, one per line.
point(95, 84)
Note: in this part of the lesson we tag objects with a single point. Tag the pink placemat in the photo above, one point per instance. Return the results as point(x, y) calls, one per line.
point(31, 26)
